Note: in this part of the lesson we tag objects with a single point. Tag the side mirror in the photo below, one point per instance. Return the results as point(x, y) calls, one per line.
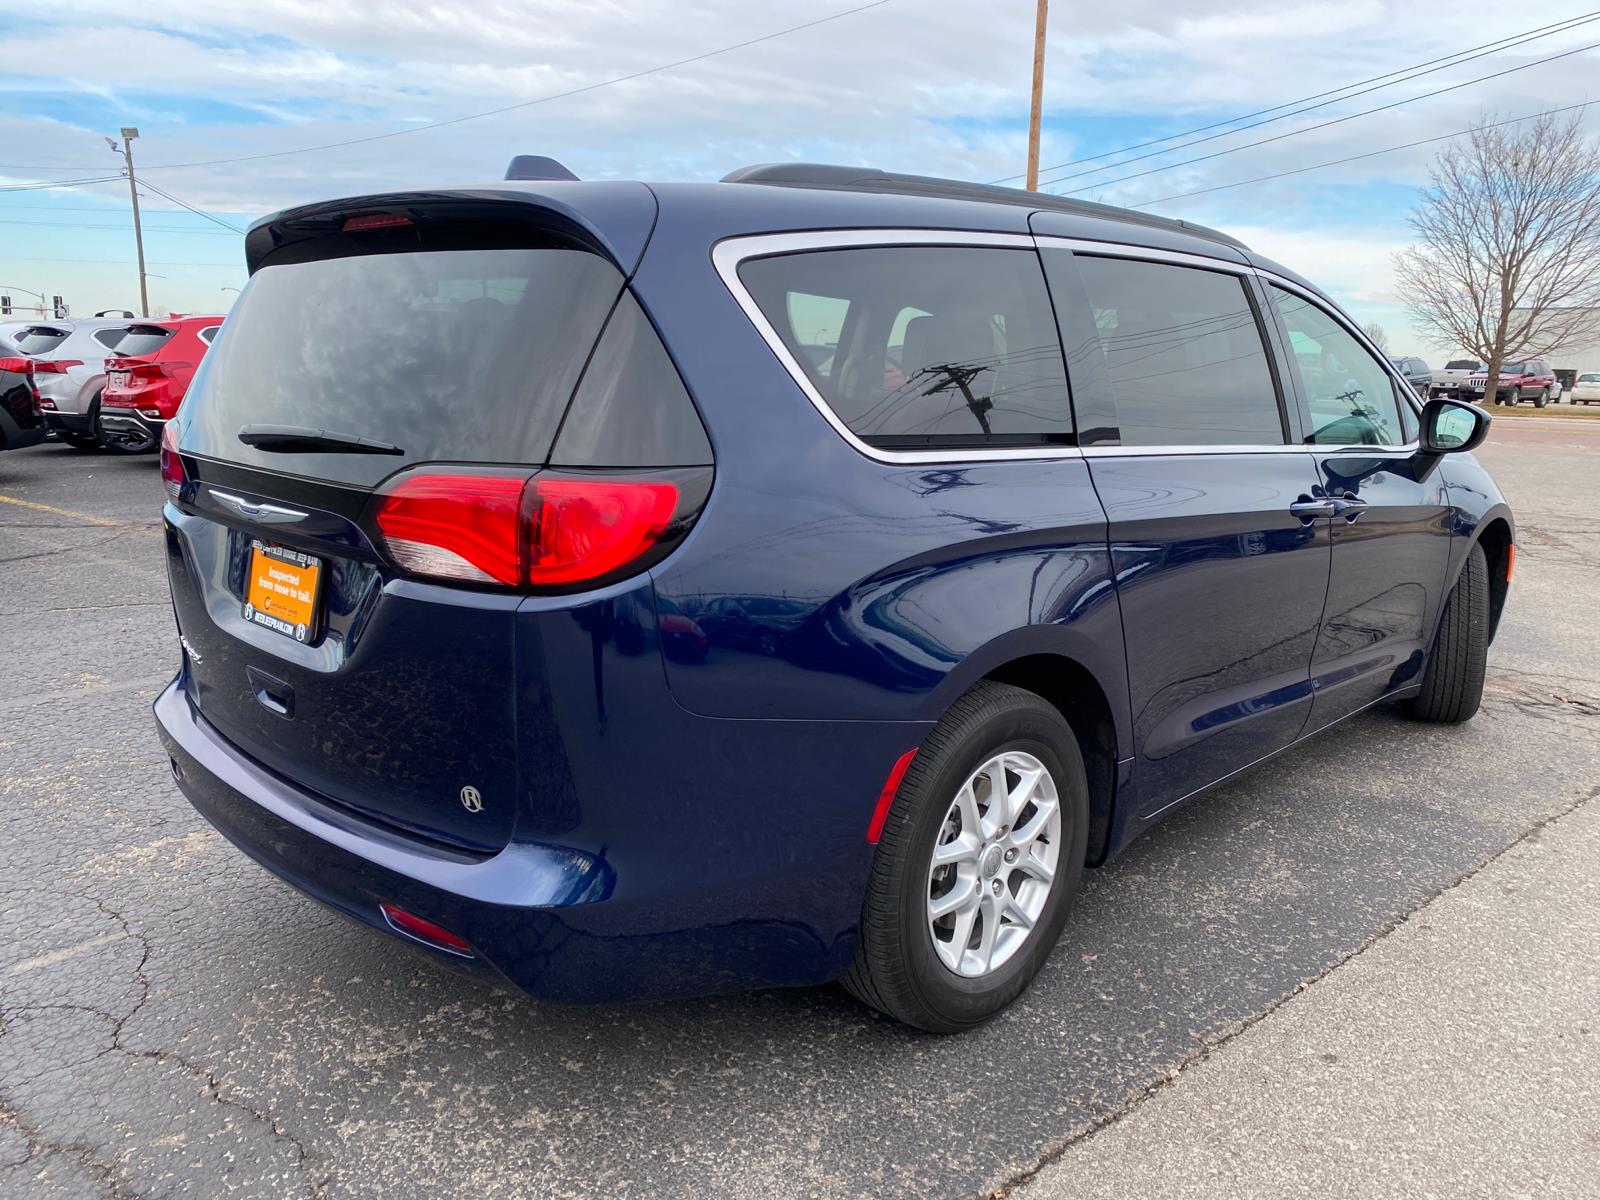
point(1449, 426)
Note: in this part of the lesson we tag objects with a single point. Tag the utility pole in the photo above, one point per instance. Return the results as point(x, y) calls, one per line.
point(1038, 98)
point(128, 134)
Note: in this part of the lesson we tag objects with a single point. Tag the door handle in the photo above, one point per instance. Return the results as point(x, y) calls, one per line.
point(1350, 507)
point(1309, 510)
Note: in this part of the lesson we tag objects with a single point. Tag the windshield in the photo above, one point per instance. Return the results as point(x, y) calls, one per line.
point(1463, 364)
point(453, 355)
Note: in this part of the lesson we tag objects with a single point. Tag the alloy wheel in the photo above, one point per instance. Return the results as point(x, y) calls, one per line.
point(994, 863)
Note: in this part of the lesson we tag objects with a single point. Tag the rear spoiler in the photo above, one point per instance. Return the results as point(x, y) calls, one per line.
point(612, 219)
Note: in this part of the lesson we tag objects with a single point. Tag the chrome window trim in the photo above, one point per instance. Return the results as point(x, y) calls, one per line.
point(1149, 253)
point(728, 254)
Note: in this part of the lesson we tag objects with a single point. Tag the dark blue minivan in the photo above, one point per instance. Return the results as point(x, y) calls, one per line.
point(635, 590)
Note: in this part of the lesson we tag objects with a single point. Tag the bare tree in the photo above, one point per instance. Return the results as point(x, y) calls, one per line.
point(1508, 265)
point(1377, 335)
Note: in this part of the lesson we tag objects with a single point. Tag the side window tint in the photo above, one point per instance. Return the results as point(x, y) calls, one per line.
point(209, 333)
point(1183, 354)
point(923, 346)
point(109, 337)
point(1350, 397)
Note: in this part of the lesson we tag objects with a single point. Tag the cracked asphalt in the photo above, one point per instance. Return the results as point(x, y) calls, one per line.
point(175, 1022)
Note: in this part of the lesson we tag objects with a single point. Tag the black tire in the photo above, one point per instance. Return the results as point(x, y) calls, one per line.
point(1542, 398)
point(1452, 685)
point(896, 968)
point(78, 441)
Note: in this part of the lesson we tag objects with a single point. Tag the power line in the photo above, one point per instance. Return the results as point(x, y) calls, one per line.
point(1336, 162)
point(1454, 58)
point(1469, 57)
point(494, 112)
point(1325, 124)
point(197, 212)
point(65, 183)
point(120, 228)
point(126, 262)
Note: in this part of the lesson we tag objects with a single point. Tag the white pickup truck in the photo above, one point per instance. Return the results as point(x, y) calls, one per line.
point(1448, 380)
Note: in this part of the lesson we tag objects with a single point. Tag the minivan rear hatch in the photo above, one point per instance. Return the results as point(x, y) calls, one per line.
point(374, 339)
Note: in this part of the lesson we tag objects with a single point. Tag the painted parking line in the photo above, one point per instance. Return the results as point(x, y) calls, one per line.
point(88, 518)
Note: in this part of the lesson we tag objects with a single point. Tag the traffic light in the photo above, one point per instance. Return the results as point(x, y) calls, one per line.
point(5, 306)
point(60, 308)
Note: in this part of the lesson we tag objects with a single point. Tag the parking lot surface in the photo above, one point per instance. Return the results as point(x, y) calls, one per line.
point(176, 1022)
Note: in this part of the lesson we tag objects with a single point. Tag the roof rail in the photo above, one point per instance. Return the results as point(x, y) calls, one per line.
point(870, 179)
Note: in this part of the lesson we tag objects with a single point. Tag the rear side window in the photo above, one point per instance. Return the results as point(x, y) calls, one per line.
point(41, 339)
point(209, 334)
point(923, 346)
point(1350, 398)
point(631, 410)
point(452, 355)
point(142, 340)
point(1183, 354)
point(109, 337)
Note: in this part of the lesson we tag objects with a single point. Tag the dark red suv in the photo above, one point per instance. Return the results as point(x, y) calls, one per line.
point(147, 377)
point(1519, 381)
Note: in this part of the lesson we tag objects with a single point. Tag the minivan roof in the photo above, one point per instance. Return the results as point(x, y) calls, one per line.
point(620, 216)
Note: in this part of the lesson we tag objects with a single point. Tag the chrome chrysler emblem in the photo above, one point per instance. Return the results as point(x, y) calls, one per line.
point(471, 800)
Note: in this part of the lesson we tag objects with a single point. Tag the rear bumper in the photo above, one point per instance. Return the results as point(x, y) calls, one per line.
point(558, 922)
point(130, 423)
point(66, 422)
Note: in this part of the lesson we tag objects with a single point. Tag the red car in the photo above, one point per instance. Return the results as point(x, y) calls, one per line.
point(147, 377)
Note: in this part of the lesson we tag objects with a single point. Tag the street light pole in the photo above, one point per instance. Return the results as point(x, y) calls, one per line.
point(128, 134)
point(1038, 96)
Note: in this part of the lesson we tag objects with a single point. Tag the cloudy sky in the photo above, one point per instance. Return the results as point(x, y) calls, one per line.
point(232, 97)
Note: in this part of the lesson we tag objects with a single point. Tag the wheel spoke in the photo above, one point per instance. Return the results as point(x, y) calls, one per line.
point(991, 929)
point(963, 895)
point(963, 932)
point(999, 798)
point(1022, 793)
point(967, 804)
point(1043, 810)
point(1016, 912)
point(961, 848)
point(1039, 870)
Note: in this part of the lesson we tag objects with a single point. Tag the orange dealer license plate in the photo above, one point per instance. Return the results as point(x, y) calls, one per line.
point(281, 591)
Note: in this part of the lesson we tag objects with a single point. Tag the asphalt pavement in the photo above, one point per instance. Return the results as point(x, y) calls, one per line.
point(176, 1022)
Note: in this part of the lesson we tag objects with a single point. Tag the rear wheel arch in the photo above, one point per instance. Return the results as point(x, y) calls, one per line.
point(1073, 691)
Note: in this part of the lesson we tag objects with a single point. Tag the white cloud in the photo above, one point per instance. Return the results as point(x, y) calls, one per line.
point(934, 86)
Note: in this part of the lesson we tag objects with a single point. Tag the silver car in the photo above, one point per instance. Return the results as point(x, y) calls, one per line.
point(69, 369)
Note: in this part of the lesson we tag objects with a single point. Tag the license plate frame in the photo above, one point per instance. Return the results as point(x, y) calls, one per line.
point(283, 591)
point(118, 379)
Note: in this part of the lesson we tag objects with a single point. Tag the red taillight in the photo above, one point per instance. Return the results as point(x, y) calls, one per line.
point(425, 931)
point(55, 366)
point(455, 526)
point(173, 476)
point(375, 221)
point(585, 529)
point(22, 366)
point(519, 530)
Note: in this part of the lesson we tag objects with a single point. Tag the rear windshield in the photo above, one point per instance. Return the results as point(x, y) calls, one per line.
point(1463, 364)
point(452, 355)
point(41, 339)
point(142, 340)
point(1589, 378)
